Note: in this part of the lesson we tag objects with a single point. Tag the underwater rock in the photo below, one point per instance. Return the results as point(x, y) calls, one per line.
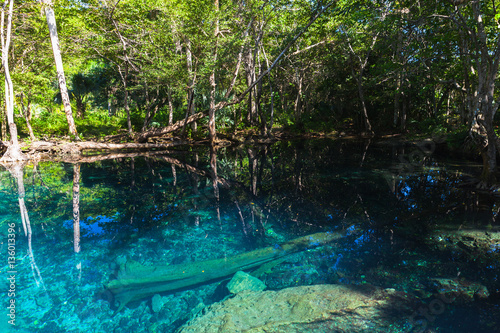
point(243, 281)
point(475, 244)
point(157, 303)
point(459, 290)
point(319, 308)
point(43, 300)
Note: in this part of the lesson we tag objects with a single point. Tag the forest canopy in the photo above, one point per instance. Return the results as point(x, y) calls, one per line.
point(208, 68)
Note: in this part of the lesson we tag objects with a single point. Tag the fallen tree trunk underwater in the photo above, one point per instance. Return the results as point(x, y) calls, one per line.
point(135, 281)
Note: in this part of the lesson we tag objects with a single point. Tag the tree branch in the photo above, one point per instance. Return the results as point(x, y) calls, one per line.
point(238, 99)
point(308, 48)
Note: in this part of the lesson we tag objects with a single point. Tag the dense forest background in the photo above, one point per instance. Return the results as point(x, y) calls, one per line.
point(373, 67)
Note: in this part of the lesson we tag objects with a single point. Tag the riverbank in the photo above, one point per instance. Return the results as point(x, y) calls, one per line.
point(122, 145)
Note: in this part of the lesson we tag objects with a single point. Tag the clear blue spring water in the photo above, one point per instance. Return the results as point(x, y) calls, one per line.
point(400, 206)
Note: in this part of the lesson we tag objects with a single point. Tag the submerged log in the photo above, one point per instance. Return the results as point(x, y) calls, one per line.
point(135, 281)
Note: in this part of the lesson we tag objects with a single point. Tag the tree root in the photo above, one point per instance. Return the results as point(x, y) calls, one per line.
point(13, 154)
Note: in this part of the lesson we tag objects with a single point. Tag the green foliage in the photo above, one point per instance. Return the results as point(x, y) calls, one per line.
point(412, 64)
point(98, 124)
point(50, 124)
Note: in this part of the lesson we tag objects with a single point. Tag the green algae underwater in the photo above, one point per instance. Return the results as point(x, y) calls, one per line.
point(413, 229)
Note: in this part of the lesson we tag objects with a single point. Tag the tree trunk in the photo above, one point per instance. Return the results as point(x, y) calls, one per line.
point(483, 110)
point(364, 111)
point(282, 97)
point(400, 101)
point(51, 22)
point(298, 99)
point(110, 93)
point(170, 107)
point(13, 152)
point(80, 107)
point(17, 172)
point(399, 77)
point(4, 123)
point(250, 72)
point(125, 100)
point(483, 128)
point(466, 58)
point(258, 96)
point(192, 80)
point(271, 120)
point(359, 77)
point(403, 112)
point(76, 208)
point(149, 103)
point(215, 178)
point(269, 127)
point(148, 117)
point(27, 116)
point(396, 101)
point(211, 112)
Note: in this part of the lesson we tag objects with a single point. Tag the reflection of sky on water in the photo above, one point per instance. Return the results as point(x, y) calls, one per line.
point(91, 226)
point(406, 190)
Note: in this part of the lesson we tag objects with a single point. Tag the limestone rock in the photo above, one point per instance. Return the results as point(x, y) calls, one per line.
point(157, 303)
point(43, 300)
point(243, 281)
point(319, 308)
point(458, 290)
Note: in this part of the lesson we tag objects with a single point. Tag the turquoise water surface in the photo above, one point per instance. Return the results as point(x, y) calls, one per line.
point(411, 220)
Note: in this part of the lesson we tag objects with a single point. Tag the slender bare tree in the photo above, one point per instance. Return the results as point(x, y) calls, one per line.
point(54, 39)
point(76, 207)
point(17, 171)
point(13, 153)
point(211, 112)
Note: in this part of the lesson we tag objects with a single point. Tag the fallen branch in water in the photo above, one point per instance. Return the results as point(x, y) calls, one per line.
point(135, 281)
